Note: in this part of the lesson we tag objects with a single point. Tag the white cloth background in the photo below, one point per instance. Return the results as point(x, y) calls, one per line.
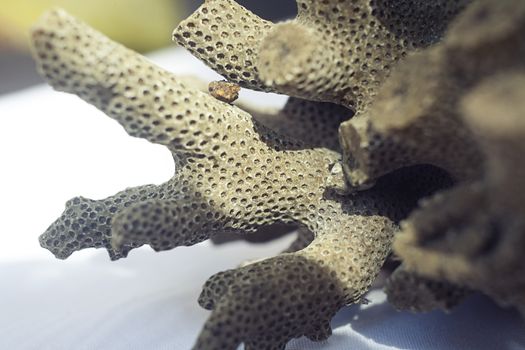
point(54, 146)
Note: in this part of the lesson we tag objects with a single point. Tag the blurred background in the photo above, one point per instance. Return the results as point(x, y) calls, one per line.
point(143, 25)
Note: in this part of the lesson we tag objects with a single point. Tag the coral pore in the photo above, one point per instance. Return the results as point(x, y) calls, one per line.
point(389, 104)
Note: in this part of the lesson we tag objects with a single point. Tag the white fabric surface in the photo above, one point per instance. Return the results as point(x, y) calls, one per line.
point(53, 146)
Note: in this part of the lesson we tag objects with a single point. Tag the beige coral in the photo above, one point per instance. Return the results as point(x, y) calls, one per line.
point(334, 51)
point(316, 124)
point(422, 126)
point(233, 175)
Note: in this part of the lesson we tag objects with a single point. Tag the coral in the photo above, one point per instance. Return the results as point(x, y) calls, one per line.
point(233, 175)
point(474, 234)
point(314, 123)
point(424, 99)
point(334, 51)
point(415, 118)
point(409, 291)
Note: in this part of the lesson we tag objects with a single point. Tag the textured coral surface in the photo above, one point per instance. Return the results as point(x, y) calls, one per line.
point(430, 95)
point(416, 118)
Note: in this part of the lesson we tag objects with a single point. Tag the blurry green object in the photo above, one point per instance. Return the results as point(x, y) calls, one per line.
point(143, 25)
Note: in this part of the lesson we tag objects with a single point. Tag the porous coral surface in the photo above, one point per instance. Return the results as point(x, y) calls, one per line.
point(424, 105)
point(415, 118)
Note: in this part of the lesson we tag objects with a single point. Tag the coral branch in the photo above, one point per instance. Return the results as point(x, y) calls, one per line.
point(334, 51)
point(86, 223)
point(225, 36)
point(270, 302)
point(449, 113)
point(295, 294)
point(409, 291)
point(416, 118)
point(474, 235)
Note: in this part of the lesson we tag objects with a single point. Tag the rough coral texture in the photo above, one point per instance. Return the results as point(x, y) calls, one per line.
point(416, 116)
point(334, 51)
point(430, 94)
point(233, 175)
point(474, 234)
point(316, 124)
point(409, 291)
point(224, 91)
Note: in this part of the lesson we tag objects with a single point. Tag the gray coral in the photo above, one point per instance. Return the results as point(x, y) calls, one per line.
point(415, 118)
point(416, 86)
point(474, 234)
point(233, 175)
point(334, 51)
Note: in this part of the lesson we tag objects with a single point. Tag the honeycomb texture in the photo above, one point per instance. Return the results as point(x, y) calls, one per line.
point(336, 51)
point(430, 121)
point(316, 124)
point(474, 234)
point(416, 118)
point(226, 36)
point(86, 223)
point(253, 292)
point(233, 175)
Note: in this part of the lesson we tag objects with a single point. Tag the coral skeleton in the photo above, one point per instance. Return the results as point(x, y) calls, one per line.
point(473, 234)
point(403, 118)
point(416, 118)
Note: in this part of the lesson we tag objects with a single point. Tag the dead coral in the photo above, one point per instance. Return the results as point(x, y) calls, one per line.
point(474, 235)
point(416, 130)
point(233, 175)
point(415, 118)
point(334, 51)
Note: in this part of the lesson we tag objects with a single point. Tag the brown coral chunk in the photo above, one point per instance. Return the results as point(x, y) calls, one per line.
point(224, 91)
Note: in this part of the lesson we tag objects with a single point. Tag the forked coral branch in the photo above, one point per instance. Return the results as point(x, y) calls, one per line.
point(437, 89)
point(416, 118)
point(232, 175)
point(334, 51)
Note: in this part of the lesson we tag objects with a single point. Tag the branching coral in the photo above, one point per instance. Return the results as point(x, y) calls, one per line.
point(475, 234)
point(415, 118)
point(334, 51)
point(233, 174)
point(422, 122)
